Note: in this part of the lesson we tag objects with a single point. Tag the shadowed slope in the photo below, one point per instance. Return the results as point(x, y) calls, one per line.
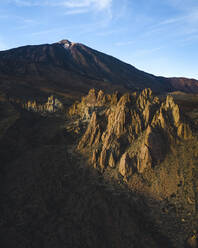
point(49, 198)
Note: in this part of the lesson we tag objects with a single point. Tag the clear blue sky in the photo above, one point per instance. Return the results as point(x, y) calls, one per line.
point(157, 36)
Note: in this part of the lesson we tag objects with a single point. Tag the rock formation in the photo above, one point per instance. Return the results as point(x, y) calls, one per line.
point(144, 159)
point(125, 168)
point(129, 133)
point(92, 135)
point(51, 106)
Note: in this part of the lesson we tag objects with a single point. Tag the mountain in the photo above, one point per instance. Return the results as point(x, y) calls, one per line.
point(91, 157)
point(72, 69)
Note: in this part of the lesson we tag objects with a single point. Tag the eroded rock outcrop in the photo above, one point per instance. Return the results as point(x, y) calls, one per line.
point(144, 158)
point(111, 161)
point(155, 141)
point(184, 131)
point(130, 133)
point(125, 167)
point(169, 118)
point(92, 135)
point(52, 105)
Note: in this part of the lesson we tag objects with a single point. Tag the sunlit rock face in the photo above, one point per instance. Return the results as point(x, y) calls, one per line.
point(51, 106)
point(129, 133)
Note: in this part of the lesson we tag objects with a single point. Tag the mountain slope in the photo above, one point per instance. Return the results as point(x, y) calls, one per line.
point(150, 145)
point(50, 199)
point(73, 69)
point(119, 170)
point(111, 170)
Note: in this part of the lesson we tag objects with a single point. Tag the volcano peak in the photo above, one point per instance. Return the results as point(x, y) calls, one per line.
point(66, 43)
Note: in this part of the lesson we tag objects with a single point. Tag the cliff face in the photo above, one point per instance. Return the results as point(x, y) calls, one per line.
point(144, 142)
point(130, 133)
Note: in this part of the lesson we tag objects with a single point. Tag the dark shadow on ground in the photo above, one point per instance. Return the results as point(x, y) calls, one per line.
point(52, 199)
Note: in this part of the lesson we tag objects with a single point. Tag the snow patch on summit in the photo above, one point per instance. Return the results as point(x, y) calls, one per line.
point(66, 43)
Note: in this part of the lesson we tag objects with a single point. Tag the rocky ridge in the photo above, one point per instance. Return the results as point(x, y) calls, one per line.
point(147, 144)
point(51, 106)
point(129, 133)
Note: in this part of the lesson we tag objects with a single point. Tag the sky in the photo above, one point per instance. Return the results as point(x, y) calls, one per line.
point(157, 36)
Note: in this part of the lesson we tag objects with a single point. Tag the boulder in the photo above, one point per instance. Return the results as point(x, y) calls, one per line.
point(144, 159)
point(111, 160)
point(125, 168)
